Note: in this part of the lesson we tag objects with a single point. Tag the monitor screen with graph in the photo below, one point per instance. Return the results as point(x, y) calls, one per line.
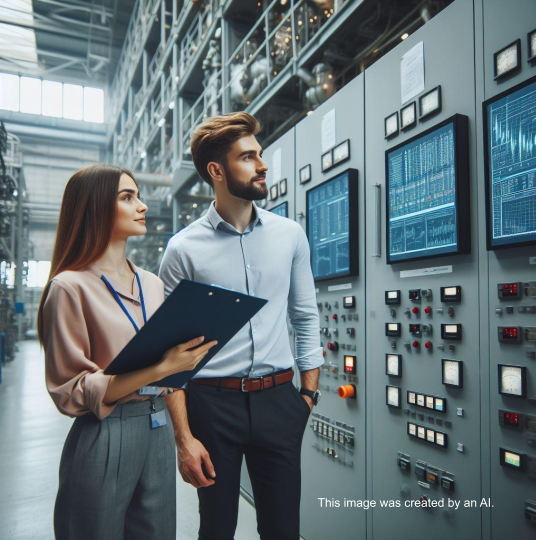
point(427, 193)
point(510, 166)
point(332, 227)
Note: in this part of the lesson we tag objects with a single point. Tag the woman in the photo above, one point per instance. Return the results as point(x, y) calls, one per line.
point(117, 471)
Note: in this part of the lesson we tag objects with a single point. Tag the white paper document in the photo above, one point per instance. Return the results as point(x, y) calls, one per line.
point(412, 72)
point(328, 130)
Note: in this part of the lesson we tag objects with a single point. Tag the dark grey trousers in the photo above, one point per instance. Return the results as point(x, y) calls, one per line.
point(117, 478)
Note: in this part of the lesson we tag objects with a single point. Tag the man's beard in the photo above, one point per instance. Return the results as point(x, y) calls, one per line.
point(251, 191)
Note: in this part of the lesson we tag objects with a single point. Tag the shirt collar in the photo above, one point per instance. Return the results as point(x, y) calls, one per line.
point(120, 289)
point(215, 219)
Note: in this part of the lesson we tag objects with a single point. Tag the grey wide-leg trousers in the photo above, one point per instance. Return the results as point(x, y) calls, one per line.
point(117, 477)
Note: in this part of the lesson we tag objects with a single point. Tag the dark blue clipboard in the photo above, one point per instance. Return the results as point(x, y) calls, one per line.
point(191, 310)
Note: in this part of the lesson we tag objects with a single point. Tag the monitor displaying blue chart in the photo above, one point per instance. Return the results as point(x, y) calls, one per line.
point(281, 209)
point(332, 226)
point(510, 121)
point(422, 195)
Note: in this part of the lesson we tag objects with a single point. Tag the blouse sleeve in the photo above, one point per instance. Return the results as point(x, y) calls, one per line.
point(75, 383)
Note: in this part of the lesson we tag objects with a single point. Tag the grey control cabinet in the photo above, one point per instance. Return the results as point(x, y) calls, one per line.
point(334, 450)
point(424, 450)
point(510, 287)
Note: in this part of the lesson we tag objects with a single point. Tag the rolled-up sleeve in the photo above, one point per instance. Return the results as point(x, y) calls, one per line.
point(302, 309)
point(75, 383)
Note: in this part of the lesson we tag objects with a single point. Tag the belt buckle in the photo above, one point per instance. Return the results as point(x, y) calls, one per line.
point(242, 382)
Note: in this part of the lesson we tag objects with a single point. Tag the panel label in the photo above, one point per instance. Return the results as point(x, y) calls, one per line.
point(342, 287)
point(426, 271)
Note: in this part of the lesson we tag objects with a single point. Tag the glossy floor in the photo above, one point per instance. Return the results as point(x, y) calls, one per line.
point(32, 433)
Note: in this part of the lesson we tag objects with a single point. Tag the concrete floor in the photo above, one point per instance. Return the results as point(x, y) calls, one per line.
point(32, 433)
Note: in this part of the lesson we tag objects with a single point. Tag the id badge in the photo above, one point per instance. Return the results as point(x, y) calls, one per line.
point(158, 419)
point(148, 391)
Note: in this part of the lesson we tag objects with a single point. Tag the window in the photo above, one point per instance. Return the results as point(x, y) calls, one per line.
point(30, 95)
point(9, 92)
point(73, 98)
point(93, 105)
point(38, 272)
point(52, 99)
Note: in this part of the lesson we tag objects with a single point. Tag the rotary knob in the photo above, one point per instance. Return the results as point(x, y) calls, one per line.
point(333, 346)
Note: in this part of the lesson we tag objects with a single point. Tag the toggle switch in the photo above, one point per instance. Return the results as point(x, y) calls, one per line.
point(350, 332)
point(407, 345)
point(426, 328)
point(450, 311)
point(393, 312)
point(407, 312)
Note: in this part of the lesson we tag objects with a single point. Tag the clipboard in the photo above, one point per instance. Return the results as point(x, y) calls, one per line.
point(191, 310)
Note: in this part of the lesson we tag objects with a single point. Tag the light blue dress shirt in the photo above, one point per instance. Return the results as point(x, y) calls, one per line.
point(270, 259)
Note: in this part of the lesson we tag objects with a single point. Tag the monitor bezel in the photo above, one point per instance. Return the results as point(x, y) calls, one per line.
point(490, 246)
point(461, 170)
point(285, 204)
point(352, 225)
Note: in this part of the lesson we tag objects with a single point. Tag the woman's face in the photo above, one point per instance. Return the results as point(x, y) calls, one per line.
point(130, 220)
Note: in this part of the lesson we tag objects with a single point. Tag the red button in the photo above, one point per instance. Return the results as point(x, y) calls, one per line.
point(428, 344)
point(415, 310)
point(334, 316)
point(428, 309)
point(333, 346)
point(416, 344)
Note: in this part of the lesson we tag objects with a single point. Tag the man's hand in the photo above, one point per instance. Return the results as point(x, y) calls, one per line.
point(193, 458)
point(309, 401)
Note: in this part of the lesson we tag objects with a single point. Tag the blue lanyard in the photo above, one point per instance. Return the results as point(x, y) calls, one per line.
point(118, 300)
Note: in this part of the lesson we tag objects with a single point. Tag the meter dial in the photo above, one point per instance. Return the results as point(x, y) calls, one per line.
point(391, 125)
point(440, 439)
point(532, 45)
point(409, 116)
point(412, 429)
point(421, 432)
point(429, 402)
point(452, 373)
point(411, 398)
point(507, 59)
point(420, 400)
point(393, 396)
point(393, 365)
point(430, 435)
point(512, 380)
point(430, 102)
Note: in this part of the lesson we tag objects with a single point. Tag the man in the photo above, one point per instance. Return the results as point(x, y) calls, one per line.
point(243, 402)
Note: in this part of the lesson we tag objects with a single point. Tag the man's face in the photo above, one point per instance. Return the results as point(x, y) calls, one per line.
point(245, 171)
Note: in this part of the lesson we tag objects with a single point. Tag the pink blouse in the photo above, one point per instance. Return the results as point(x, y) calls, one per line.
point(85, 329)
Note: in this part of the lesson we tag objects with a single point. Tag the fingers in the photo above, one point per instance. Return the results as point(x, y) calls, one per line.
point(205, 348)
point(197, 477)
point(209, 467)
point(190, 344)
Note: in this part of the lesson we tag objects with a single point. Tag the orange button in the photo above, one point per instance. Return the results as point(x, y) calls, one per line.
point(347, 391)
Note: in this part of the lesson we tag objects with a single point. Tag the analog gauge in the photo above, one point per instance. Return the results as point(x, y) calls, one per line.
point(429, 402)
point(393, 365)
point(430, 102)
point(440, 439)
point(430, 435)
point(412, 429)
point(393, 396)
point(391, 125)
point(411, 398)
point(421, 432)
point(532, 45)
point(507, 59)
point(512, 380)
point(420, 400)
point(409, 115)
point(452, 373)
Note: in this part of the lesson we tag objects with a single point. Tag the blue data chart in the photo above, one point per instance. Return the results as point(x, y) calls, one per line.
point(511, 156)
point(328, 228)
point(422, 214)
point(281, 209)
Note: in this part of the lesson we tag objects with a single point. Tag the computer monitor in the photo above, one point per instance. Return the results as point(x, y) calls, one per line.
point(332, 226)
point(281, 209)
point(510, 166)
point(427, 193)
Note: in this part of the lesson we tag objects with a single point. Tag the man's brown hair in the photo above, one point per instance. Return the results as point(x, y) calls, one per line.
point(212, 140)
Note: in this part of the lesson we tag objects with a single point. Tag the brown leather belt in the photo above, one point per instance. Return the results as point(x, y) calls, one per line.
point(248, 385)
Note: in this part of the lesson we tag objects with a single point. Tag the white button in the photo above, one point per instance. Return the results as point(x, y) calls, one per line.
point(254, 331)
point(248, 266)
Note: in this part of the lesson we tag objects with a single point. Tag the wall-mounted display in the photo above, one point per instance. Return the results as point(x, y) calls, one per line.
point(331, 210)
point(305, 174)
point(408, 115)
point(430, 103)
point(281, 209)
point(283, 187)
point(341, 152)
point(510, 166)
point(428, 193)
point(391, 125)
point(393, 365)
point(327, 160)
point(392, 396)
point(452, 373)
point(507, 60)
point(274, 192)
point(512, 380)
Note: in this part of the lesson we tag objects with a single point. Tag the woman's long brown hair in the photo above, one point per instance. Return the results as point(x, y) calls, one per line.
point(87, 217)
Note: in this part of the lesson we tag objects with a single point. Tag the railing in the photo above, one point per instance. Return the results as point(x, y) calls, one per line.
point(13, 155)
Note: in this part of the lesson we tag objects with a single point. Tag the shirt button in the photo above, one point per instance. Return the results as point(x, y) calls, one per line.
point(254, 331)
point(248, 266)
